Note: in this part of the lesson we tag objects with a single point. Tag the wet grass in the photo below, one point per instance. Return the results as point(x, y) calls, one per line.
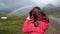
point(13, 25)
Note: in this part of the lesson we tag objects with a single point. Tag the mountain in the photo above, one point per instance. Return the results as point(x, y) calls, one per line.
point(49, 6)
point(50, 9)
point(23, 11)
point(6, 11)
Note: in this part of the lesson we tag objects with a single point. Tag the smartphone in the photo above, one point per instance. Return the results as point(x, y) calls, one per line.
point(35, 23)
point(30, 14)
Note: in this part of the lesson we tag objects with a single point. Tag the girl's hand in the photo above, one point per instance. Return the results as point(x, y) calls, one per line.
point(28, 17)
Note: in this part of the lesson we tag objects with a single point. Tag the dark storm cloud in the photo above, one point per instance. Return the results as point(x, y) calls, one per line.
point(15, 3)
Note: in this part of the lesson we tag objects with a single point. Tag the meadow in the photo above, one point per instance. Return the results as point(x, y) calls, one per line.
point(13, 25)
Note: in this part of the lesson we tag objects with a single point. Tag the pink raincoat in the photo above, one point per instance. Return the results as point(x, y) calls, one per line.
point(29, 28)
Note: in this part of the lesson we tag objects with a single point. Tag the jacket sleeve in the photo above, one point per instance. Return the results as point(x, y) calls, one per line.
point(44, 25)
point(25, 27)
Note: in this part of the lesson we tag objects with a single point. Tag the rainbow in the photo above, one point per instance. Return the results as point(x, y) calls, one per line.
point(21, 9)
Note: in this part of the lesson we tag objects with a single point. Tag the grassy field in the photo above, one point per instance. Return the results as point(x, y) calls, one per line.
point(13, 25)
point(55, 15)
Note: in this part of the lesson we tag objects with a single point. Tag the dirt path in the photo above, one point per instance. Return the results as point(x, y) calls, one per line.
point(55, 24)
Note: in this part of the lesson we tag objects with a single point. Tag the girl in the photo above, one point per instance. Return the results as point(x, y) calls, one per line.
point(36, 23)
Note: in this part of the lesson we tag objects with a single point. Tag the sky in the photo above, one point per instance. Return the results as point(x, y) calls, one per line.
point(11, 4)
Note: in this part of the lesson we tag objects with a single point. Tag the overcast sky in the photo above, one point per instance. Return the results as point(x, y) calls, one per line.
point(9, 4)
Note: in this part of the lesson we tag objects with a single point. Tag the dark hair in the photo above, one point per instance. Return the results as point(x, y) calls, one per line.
point(38, 14)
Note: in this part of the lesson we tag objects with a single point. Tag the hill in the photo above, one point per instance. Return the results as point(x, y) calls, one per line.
point(51, 9)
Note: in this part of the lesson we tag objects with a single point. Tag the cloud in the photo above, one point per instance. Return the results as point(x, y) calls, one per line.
point(3, 6)
point(16, 3)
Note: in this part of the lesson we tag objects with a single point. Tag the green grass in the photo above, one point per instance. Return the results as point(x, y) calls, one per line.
point(13, 25)
point(57, 15)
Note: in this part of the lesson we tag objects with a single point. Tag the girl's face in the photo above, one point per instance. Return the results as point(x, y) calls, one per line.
point(36, 11)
